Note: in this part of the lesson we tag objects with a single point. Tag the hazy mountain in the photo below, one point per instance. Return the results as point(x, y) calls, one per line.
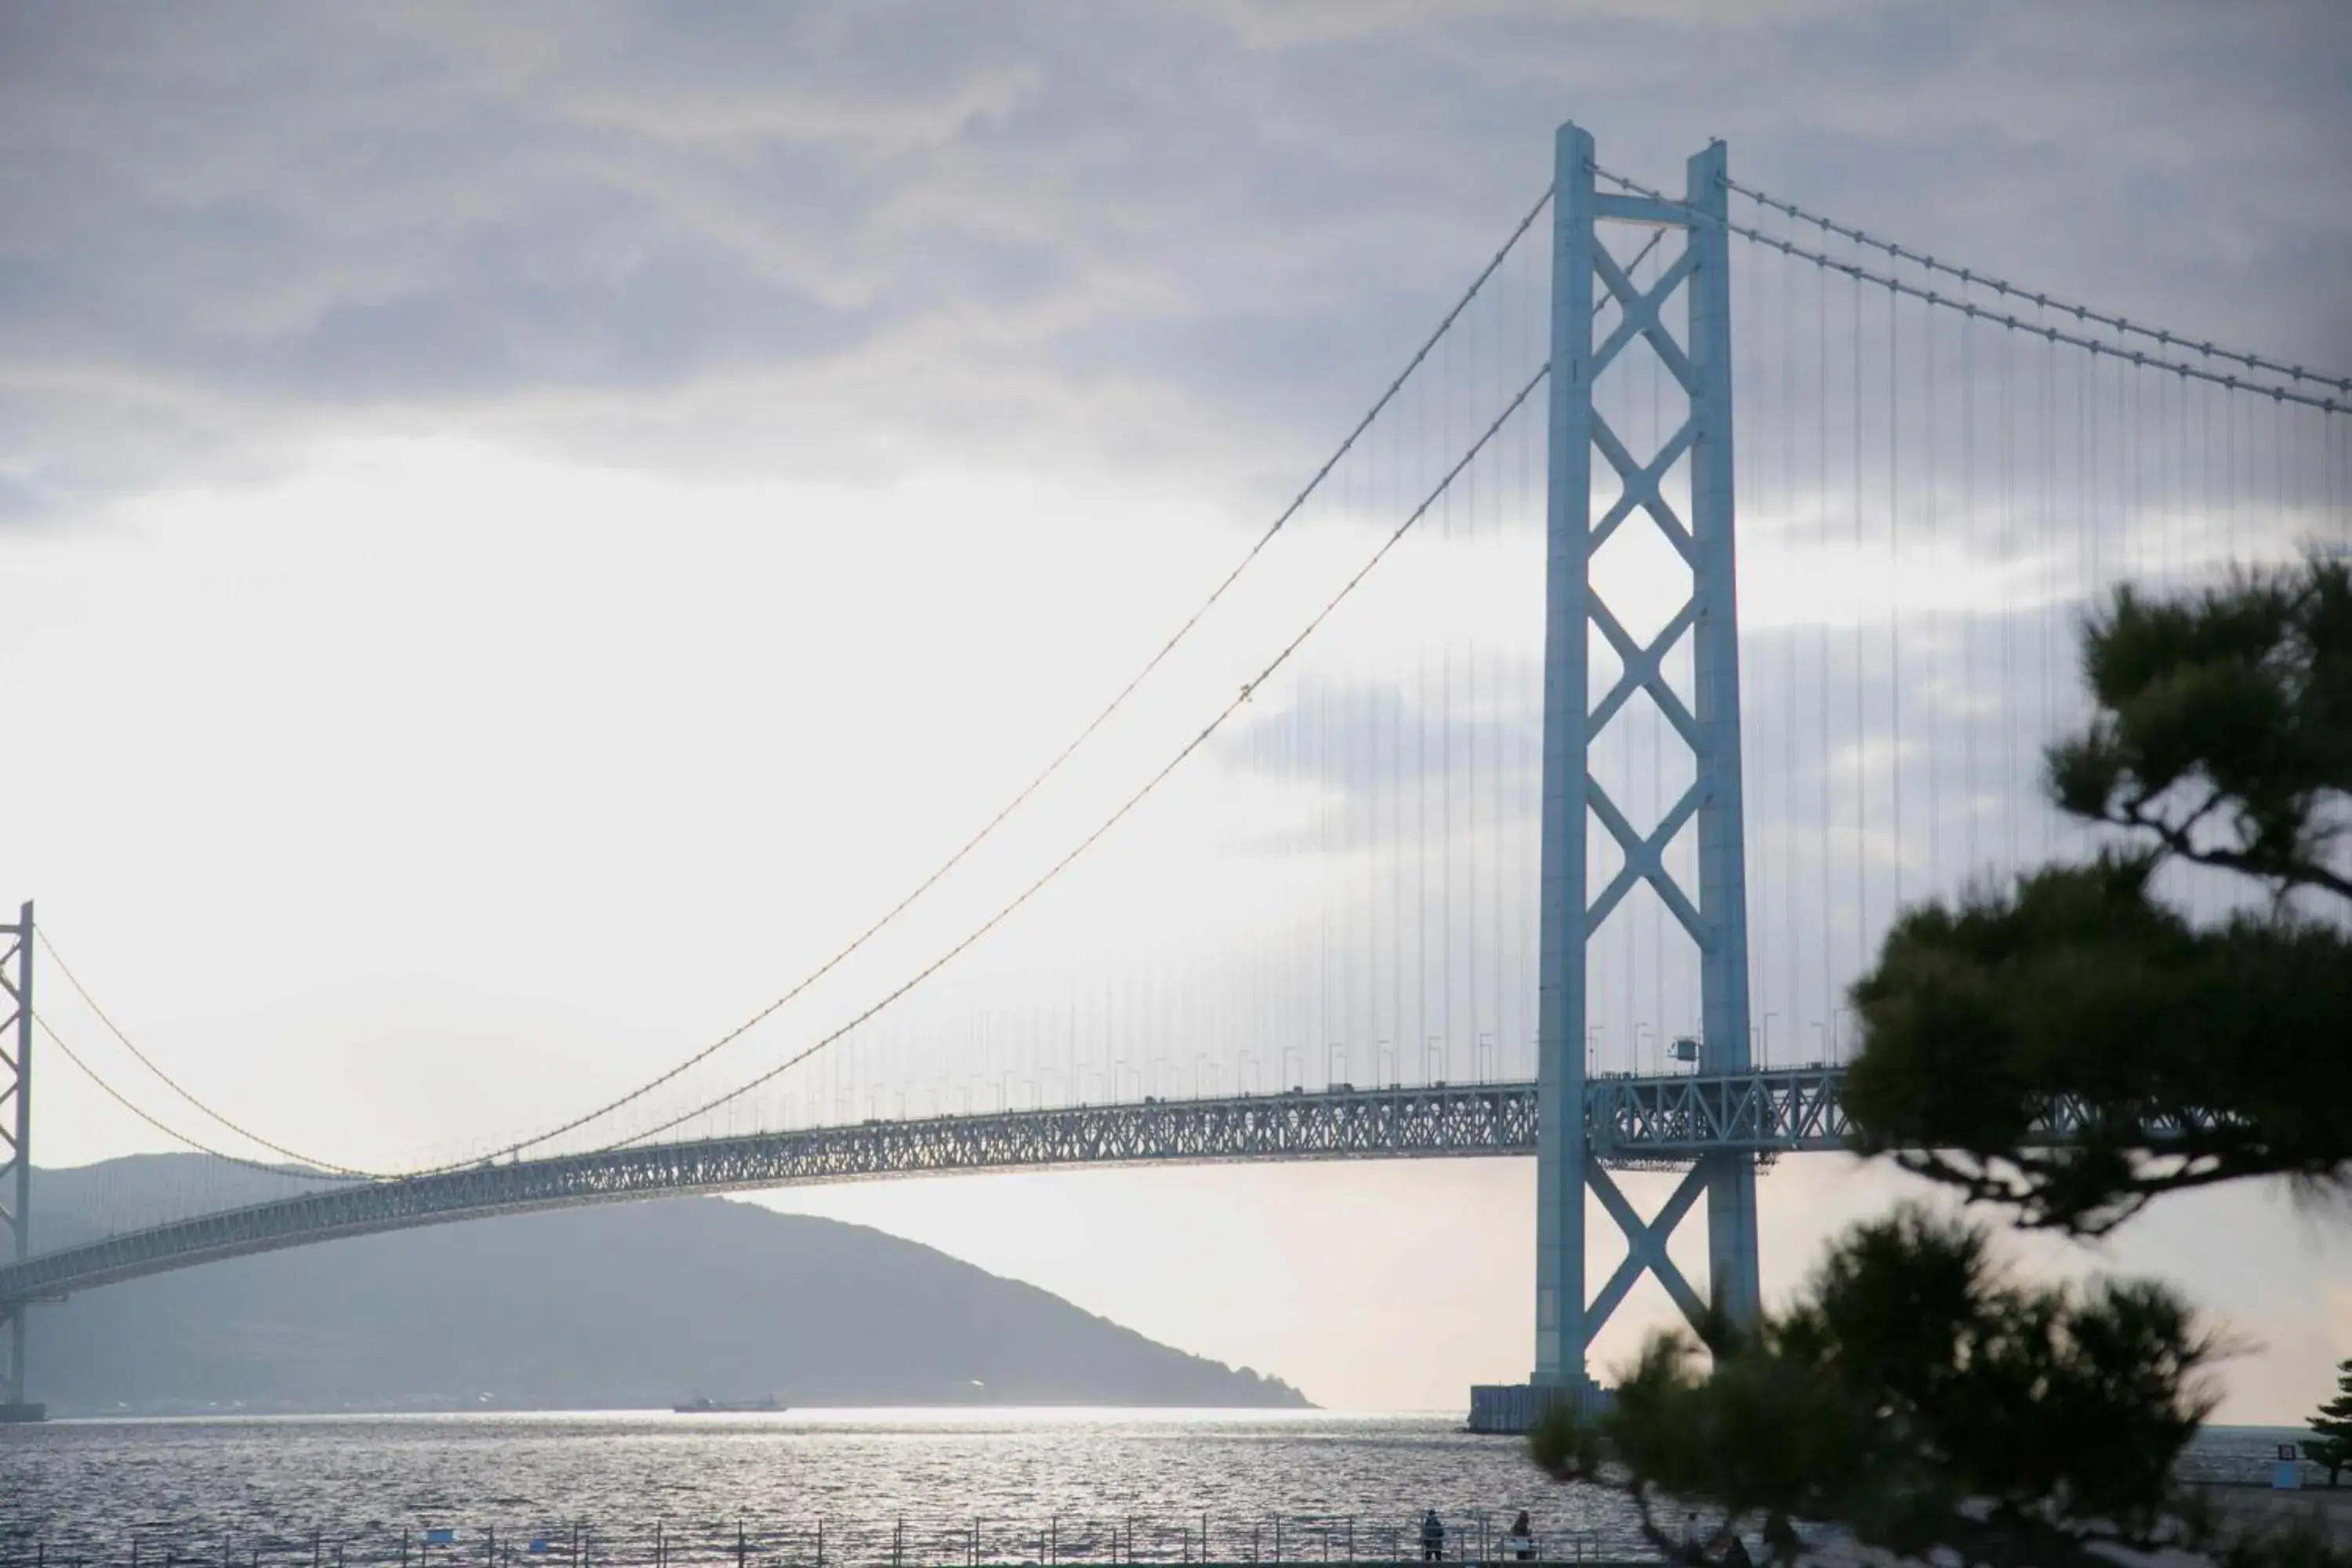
point(628, 1306)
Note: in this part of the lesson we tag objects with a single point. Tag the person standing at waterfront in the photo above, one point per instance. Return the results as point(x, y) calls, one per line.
point(1433, 1537)
point(1521, 1543)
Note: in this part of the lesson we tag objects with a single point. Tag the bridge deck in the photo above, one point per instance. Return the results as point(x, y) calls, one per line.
point(1630, 1120)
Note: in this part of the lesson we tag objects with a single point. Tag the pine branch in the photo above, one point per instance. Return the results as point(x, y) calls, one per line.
point(2178, 839)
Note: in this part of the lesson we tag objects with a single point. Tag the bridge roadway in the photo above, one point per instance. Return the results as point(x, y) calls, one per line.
point(1631, 1121)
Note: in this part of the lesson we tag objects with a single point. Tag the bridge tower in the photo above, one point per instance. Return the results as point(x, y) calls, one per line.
point(16, 1141)
point(1696, 362)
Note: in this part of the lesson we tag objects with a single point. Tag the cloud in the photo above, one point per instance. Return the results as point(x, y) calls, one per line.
point(853, 238)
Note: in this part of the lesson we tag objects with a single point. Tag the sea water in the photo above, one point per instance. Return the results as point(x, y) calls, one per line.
point(799, 1487)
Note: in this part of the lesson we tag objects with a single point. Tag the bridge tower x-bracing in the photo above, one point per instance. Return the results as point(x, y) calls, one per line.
point(1696, 363)
point(16, 1141)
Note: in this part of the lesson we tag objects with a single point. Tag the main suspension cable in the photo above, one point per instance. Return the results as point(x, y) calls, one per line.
point(173, 1084)
point(2002, 288)
point(1054, 767)
point(156, 1122)
point(1007, 910)
point(2055, 334)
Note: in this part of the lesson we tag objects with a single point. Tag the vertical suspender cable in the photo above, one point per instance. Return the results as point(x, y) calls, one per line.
point(2336, 432)
point(2128, 564)
point(2099, 480)
point(2009, 782)
point(2196, 550)
point(2181, 558)
point(1494, 724)
point(1935, 629)
point(1479, 501)
point(1470, 827)
point(2205, 462)
point(2313, 490)
point(1446, 772)
point(2229, 465)
point(1469, 857)
point(1894, 593)
point(1395, 846)
point(1421, 855)
point(1860, 739)
point(1511, 472)
point(2279, 417)
point(2084, 530)
point(1759, 884)
point(1970, 612)
point(1320, 766)
point(2168, 542)
point(2335, 437)
point(2135, 507)
point(1523, 982)
point(1785, 428)
point(2044, 457)
point(1822, 642)
point(1656, 724)
point(2171, 431)
point(1347, 782)
point(1446, 845)
point(2340, 427)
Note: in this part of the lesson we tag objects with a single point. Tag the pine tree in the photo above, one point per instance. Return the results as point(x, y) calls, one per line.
point(2198, 1052)
point(1918, 1394)
point(2331, 1425)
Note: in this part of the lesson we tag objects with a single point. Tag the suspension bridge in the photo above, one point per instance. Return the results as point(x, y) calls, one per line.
point(1524, 822)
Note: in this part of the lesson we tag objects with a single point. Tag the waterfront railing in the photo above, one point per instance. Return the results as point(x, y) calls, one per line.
point(898, 1542)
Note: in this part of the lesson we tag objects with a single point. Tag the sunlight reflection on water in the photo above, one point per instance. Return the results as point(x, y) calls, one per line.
point(1066, 1477)
point(835, 1486)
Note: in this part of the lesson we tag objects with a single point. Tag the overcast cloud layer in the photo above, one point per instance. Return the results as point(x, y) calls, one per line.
point(1189, 238)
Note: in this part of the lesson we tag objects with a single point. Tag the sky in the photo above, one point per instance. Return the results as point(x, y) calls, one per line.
point(523, 531)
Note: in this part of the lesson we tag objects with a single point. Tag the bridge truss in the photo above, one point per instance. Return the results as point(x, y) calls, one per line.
point(1630, 1122)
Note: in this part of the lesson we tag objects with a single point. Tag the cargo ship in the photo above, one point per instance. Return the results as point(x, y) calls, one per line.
point(728, 1407)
